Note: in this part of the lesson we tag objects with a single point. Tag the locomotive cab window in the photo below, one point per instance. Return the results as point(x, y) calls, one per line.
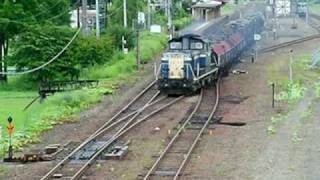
point(175, 45)
point(196, 45)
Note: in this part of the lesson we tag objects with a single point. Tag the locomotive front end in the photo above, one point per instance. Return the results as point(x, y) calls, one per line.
point(176, 73)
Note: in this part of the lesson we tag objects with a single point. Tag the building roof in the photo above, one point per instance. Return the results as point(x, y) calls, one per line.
point(208, 4)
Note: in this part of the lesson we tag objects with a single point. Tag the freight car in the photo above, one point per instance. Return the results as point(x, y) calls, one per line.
point(192, 61)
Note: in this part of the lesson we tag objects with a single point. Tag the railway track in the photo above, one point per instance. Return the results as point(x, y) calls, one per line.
point(289, 43)
point(173, 159)
point(314, 21)
point(146, 104)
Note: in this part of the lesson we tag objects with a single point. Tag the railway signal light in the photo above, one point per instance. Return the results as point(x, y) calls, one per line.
point(10, 128)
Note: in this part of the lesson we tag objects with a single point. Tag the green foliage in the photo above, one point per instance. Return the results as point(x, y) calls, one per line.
point(315, 7)
point(122, 65)
point(290, 92)
point(159, 18)
point(275, 120)
point(117, 31)
point(36, 47)
point(296, 137)
point(133, 7)
point(88, 51)
point(183, 22)
point(317, 89)
point(228, 9)
point(19, 83)
point(19, 16)
point(271, 130)
point(151, 45)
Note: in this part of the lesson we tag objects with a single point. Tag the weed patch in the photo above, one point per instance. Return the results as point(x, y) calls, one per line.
point(290, 92)
point(275, 121)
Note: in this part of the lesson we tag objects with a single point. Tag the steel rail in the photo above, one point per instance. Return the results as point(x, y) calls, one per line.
point(80, 172)
point(187, 157)
point(180, 130)
point(289, 43)
point(126, 117)
point(127, 106)
point(314, 20)
point(67, 158)
point(131, 119)
point(163, 153)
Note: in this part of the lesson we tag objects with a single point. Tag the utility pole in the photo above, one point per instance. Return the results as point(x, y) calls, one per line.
point(166, 7)
point(290, 68)
point(149, 14)
point(78, 16)
point(169, 17)
point(307, 13)
point(97, 20)
point(84, 17)
point(125, 13)
point(138, 49)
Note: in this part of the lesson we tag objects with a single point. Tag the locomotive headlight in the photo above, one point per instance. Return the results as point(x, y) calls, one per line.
point(165, 57)
point(187, 57)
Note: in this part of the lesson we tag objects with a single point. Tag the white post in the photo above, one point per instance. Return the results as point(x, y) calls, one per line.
point(307, 13)
point(198, 70)
point(149, 14)
point(97, 20)
point(155, 71)
point(84, 17)
point(125, 13)
point(256, 48)
point(290, 65)
point(169, 15)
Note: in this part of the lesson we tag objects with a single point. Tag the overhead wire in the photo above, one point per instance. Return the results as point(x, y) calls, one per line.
point(48, 62)
point(57, 55)
point(21, 21)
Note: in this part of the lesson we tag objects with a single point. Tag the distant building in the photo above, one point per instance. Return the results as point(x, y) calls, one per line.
point(281, 7)
point(207, 10)
point(91, 15)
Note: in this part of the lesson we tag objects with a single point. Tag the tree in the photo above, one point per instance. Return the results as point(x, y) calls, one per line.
point(39, 44)
point(17, 16)
point(133, 6)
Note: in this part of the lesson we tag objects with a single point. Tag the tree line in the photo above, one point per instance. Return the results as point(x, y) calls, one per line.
point(33, 31)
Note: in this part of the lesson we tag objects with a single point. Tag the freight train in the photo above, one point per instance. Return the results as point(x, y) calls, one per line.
point(192, 61)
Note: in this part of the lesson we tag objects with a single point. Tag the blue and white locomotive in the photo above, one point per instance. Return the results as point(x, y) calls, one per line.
point(186, 66)
point(192, 62)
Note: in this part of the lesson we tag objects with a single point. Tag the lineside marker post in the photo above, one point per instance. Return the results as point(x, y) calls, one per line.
point(290, 65)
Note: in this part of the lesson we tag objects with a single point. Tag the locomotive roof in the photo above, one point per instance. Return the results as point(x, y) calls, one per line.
point(188, 36)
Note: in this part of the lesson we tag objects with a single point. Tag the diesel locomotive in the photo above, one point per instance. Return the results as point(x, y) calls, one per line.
point(193, 61)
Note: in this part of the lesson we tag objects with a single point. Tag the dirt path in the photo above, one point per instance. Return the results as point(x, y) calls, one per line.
point(284, 155)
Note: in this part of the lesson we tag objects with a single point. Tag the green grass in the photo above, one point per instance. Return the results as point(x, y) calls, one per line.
point(228, 9)
point(12, 104)
point(315, 8)
point(41, 116)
